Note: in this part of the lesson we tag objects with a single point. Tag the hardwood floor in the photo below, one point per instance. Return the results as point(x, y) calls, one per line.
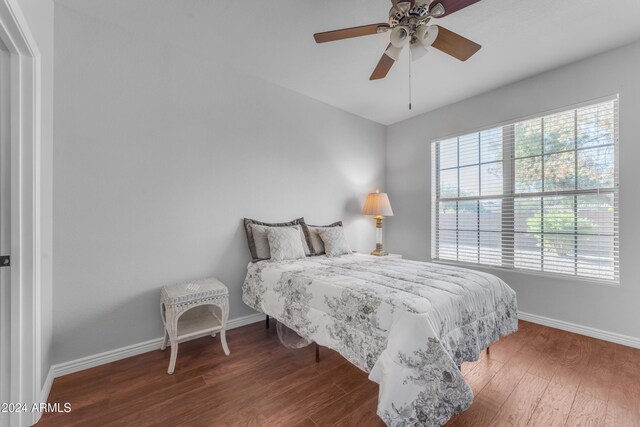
point(538, 377)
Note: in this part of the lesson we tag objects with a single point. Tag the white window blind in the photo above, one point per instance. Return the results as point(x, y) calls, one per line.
point(539, 194)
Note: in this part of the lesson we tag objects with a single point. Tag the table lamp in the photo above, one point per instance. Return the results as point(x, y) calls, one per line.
point(377, 205)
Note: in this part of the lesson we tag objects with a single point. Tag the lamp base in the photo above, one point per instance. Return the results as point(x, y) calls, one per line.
point(379, 251)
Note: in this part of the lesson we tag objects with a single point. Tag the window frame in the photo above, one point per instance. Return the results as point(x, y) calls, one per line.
point(509, 196)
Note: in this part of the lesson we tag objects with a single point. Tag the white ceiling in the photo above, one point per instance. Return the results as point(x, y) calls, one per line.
point(273, 40)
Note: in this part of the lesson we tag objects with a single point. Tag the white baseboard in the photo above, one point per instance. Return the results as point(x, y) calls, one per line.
point(131, 350)
point(46, 387)
point(581, 330)
point(94, 360)
point(44, 395)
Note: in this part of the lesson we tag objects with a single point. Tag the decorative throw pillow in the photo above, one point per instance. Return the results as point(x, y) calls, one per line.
point(260, 240)
point(285, 243)
point(317, 247)
point(335, 242)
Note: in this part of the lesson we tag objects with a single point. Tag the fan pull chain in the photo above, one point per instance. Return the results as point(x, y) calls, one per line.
point(410, 61)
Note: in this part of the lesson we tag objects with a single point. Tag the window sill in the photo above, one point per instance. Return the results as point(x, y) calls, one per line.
point(481, 267)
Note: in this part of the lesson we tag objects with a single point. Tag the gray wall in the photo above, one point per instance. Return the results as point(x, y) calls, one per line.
point(39, 17)
point(159, 154)
point(613, 309)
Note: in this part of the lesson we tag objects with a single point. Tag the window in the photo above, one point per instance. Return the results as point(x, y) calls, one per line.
point(538, 195)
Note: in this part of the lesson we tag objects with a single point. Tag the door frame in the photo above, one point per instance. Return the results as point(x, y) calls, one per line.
point(5, 230)
point(25, 107)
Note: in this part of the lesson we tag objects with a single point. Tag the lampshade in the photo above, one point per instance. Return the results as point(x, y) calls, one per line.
point(427, 34)
point(377, 204)
point(394, 52)
point(417, 51)
point(400, 36)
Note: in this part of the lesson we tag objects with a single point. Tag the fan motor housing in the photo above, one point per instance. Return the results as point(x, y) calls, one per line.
point(402, 16)
point(419, 11)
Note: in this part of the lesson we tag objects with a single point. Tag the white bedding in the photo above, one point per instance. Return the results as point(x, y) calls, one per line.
point(409, 324)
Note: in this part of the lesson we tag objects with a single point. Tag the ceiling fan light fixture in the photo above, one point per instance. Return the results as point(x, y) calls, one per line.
point(408, 25)
point(437, 10)
point(400, 36)
point(404, 6)
point(393, 52)
point(418, 51)
point(427, 34)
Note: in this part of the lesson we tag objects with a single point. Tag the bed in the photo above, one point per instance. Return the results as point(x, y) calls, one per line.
point(409, 324)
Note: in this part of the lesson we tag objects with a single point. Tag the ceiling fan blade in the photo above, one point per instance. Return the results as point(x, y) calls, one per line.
point(455, 45)
point(347, 33)
point(450, 6)
point(383, 67)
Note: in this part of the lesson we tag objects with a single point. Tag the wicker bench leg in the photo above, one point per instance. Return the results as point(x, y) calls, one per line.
point(172, 331)
point(165, 338)
point(174, 356)
point(317, 353)
point(267, 322)
point(223, 339)
point(488, 351)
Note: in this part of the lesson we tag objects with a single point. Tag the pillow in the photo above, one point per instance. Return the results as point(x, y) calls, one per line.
point(317, 247)
point(335, 243)
point(285, 243)
point(260, 240)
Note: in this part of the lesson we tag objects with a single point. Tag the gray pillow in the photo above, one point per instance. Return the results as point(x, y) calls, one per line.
point(335, 242)
point(285, 243)
point(317, 247)
point(251, 241)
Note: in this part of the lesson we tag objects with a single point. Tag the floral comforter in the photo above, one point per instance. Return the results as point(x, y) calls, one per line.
point(409, 324)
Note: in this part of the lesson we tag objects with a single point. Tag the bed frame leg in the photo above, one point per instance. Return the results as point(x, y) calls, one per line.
point(317, 353)
point(267, 322)
point(488, 350)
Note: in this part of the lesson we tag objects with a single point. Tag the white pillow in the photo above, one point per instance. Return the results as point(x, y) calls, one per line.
point(285, 243)
point(261, 241)
point(335, 242)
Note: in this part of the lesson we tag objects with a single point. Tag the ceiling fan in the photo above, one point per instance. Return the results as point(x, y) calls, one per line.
point(409, 25)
